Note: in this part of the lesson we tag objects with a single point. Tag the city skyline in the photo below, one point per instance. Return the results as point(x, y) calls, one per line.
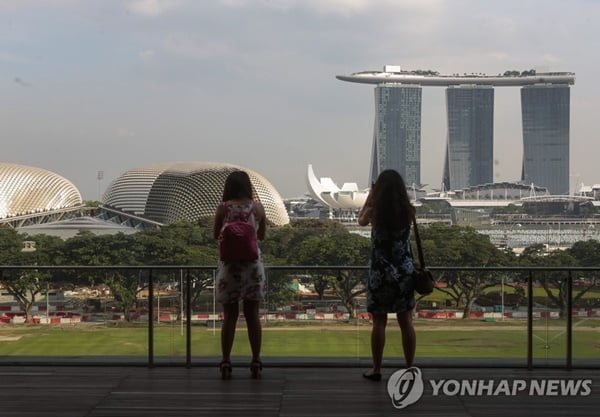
point(103, 86)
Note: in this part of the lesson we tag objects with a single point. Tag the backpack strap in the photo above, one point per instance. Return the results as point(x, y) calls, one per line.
point(242, 215)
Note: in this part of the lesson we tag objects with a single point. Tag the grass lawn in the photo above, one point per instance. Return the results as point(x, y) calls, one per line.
point(436, 339)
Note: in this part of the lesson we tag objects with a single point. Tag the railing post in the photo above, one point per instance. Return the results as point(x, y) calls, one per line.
point(570, 320)
point(150, 320)
point(188, 316)
point(530, 320)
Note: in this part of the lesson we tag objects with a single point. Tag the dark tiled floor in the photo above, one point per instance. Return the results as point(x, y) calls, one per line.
point(97, 391)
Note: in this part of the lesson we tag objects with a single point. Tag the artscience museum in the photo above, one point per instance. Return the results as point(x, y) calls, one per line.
point(326, 192)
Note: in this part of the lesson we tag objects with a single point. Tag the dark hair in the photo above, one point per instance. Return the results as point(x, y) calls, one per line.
point(392, 209)
point(237, 186)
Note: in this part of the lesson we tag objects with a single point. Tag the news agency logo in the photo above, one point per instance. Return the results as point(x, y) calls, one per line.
point(405, 387)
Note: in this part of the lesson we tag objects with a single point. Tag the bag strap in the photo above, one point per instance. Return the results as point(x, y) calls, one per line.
point(244, 216)
point(418, 241)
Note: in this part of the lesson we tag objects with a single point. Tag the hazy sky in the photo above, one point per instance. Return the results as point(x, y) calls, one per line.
point(110, 85)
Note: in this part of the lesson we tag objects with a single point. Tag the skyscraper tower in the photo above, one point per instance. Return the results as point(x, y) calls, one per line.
point(470, 146)
point(397, 133)
point(545, 113)
point(470, 100)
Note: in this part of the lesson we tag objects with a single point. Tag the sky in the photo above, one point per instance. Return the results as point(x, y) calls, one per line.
point(110, 85)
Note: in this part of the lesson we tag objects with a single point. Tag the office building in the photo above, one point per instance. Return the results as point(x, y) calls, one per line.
point(470, 145)
point(397, 133)
point(545, 116)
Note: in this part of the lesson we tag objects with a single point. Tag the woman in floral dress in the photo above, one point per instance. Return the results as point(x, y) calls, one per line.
point(241, 280)
point(390, 286)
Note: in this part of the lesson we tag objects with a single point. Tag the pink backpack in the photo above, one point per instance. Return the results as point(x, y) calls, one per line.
point(237, 242)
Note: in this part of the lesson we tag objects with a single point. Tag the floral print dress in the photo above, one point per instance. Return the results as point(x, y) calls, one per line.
point(390, 286)
point(240, 280)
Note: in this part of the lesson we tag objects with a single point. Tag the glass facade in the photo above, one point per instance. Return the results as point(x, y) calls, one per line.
point(545, 115)
point(397, 133)
point(470, 146)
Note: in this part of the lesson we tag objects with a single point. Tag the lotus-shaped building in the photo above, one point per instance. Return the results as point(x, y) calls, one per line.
point(325, 191)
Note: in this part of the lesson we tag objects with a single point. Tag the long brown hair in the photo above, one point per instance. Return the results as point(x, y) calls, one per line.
point(392, 209)
point(237, 186)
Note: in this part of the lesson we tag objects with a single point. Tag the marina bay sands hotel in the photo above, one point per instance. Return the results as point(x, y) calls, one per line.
point(469, 161)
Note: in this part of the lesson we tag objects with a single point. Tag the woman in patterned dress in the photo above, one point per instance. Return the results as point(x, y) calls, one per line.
point(390, 286)
point(242, 280)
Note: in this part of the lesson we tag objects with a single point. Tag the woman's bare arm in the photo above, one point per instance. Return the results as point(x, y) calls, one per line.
point(262, 220)
point(219, 216)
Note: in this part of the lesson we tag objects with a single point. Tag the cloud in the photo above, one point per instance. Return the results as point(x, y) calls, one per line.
point(147, 55)
point(9, 58)
point(338, 7)
point(14, 4)
point(123, 132)
point(184, 46)
point(152, 8)
point(499, 56)
point(550, 58)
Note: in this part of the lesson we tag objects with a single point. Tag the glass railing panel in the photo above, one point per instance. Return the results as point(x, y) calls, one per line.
point(73, 313)
point(315, 313)
point(309, 312)
point(168, 324)
point(474, 315)
point(549, 317)
point(586, 317)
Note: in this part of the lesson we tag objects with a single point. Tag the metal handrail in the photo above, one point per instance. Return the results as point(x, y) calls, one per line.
point(188, 287)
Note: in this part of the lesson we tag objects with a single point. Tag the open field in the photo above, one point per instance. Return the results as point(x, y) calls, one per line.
point(436, 339)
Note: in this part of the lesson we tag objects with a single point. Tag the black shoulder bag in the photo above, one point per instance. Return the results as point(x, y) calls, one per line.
point(424, 282)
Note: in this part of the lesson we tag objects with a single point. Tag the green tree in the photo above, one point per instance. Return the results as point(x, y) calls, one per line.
point(462, 246)
point(181, 243)
point(11, 244)
point(105, 250)
point(554, 283)
point(280, 248)
point(586, 253)
point(25, 285)
point(338, 249)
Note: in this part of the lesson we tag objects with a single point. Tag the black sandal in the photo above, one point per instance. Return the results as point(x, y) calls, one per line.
point(256, 368)
point(376, 376)
point(225, 369)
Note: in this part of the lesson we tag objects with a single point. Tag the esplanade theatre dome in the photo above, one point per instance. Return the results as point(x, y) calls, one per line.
point(28, 190)
point(185, 191)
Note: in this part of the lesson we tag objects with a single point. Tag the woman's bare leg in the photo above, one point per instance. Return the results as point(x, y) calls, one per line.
point(409, 337)
point(231, 312)
point(377, 341)
point(254, 327)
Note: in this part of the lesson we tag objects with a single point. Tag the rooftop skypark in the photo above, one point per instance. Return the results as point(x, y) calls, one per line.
point(394, 74)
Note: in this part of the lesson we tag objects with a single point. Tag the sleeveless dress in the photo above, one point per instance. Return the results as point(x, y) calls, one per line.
point(240, 280)
point(390, 285)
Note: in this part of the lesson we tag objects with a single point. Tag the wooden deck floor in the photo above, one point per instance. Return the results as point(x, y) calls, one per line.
point(98, 391)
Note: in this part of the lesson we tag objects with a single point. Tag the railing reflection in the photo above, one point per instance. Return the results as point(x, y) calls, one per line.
point(166, 297)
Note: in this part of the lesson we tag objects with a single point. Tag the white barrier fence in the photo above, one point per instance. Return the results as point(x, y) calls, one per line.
point(15, 316)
